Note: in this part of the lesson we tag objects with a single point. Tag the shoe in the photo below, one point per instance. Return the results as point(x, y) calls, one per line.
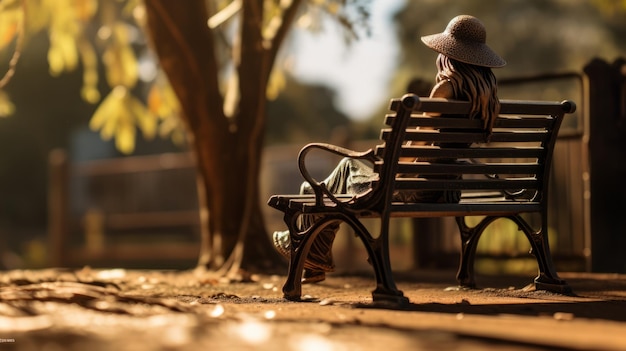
point(281, 242)
point(311, 276)
point(313, 271)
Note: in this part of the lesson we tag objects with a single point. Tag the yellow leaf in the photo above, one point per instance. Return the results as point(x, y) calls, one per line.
point(122, 68)
point(6, 106)
point(155, 100)
point(125, 137)
point(109, 127)
point(146, 121)
point(179, 137)
point(90, 76)
point(172, 127)
point(113, 68)
point(55, 61)
point(119, 115)
point(276, 84)
point(107, 108)
point(11, 12)
point(171, 100)
point(90, 94)
point(8, 30)
point(89, 91)
point(9, 5)
point(38, 16)
point(67, 46)
point(85, 9)
point(120, 58)
point(121, 32)
point(130, 68)
point(162, 101)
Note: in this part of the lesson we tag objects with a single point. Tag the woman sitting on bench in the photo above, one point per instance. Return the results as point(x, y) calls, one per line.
point(464, 73)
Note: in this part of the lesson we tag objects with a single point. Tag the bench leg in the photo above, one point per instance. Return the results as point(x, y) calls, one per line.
point(292, 289)
point(300, 245)
point(469, 243)
point(378, 251)
point(377, 248)
point(547, 279)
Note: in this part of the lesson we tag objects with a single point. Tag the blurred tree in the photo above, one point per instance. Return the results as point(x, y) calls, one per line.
point(302, 112)
point(534, 36)
point(219, 59)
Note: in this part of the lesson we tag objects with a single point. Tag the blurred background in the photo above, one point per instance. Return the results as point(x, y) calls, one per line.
point(60, 179)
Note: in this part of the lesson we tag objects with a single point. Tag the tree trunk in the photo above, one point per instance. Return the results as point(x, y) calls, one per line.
point(233, 208)
point(227, 150)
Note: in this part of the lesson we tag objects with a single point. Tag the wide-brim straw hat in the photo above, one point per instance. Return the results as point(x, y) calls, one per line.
point(465, 40)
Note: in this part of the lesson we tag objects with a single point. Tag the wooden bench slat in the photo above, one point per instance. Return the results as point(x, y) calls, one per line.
point(430, 136)
point(422, 210)
point(520, 122)
point(465, 184)
point(447, 106)
point(431, 152)
point(462, 122)
point(444, 106)
point(423, 168)
point(399, 209)
point(534, 107)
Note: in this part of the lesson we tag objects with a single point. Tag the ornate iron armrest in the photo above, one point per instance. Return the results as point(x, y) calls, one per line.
point(319, 188)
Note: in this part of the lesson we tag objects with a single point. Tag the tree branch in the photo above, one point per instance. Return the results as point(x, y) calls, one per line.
point(186, 51)
point(281, 33)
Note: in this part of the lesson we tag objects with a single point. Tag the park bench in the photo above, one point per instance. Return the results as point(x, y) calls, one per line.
point(506, 177)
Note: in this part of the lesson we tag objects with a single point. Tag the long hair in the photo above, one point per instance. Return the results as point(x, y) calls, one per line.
point(472, 83)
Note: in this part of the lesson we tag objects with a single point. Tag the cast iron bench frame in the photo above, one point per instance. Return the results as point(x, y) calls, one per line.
point(503, 178)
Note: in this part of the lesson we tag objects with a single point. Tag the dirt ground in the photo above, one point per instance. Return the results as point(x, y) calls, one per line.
point(119, 309)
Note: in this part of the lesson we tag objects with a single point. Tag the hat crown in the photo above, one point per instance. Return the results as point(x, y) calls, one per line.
point(467, 28)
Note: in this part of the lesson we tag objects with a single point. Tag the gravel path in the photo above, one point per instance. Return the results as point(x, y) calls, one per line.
point(121, 309)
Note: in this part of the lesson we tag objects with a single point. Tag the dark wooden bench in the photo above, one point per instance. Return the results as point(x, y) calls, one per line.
point(503, 178)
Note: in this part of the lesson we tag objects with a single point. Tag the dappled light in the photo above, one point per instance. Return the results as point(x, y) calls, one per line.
point(141, 140)
point(108, 310)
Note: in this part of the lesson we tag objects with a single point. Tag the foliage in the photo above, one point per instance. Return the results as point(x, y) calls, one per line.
point(11, 26)
point(85, 34)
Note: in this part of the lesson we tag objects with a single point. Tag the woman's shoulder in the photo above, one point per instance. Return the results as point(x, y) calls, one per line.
point(443, 89)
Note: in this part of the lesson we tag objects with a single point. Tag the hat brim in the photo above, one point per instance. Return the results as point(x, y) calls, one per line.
point(471, 52)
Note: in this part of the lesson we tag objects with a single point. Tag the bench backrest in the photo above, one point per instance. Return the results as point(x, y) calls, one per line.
point(516, 157)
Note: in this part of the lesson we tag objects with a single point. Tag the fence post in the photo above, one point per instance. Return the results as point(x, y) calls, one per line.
point(607, 147)
point(57, 206)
